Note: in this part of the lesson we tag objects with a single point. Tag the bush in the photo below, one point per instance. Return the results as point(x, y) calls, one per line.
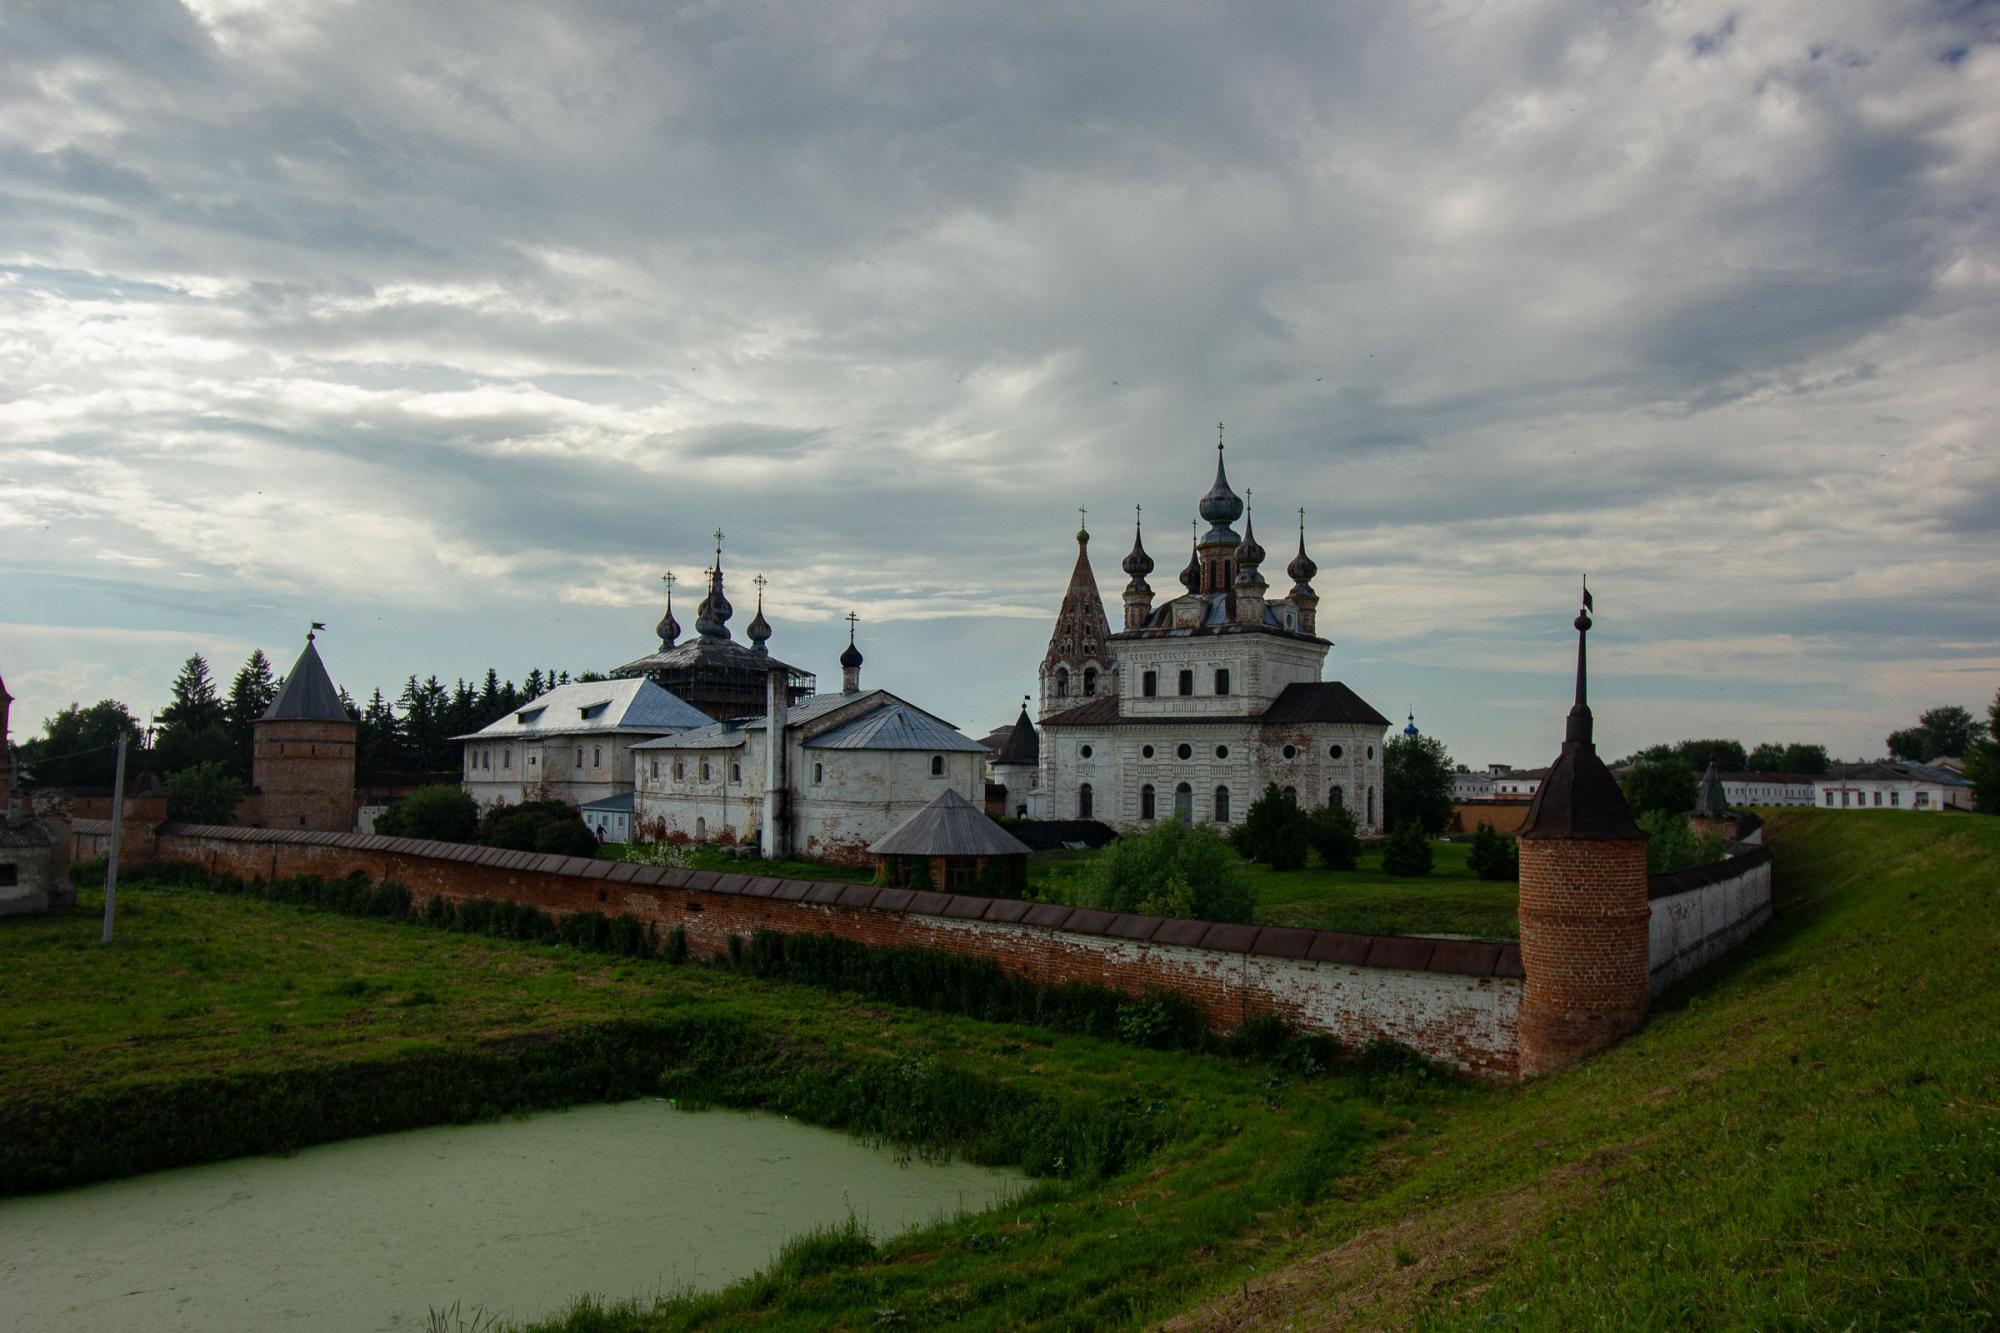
point(441, 812)
point(1494, 855)
point(1416, 783)
point(1335, 835)
point(1273, 831)
point(1664, 786)
point(1407, 851)
point(1172, 869)
point(203, 794)
point(521, 828)
point(1672, 843)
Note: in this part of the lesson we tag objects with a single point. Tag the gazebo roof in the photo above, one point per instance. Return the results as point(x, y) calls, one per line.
point(950, 826)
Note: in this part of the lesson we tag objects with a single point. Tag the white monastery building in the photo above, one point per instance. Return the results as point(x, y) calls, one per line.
point(572, 744)
point(1743, 789)
point(1201, 701)
point(1891, 785)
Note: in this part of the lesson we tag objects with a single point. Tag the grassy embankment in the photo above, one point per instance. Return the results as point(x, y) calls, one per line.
point(1806, 1136)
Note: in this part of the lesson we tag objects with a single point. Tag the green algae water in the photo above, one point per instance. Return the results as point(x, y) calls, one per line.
point(515, 1218)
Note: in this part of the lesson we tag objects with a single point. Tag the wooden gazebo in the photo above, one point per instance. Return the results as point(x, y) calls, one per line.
point(957, 847)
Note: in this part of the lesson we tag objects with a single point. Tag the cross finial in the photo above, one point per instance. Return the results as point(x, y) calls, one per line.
point(851, 620)
point(668, 579)
point(1218, 437)
point(1082, 517)
point(718, 548)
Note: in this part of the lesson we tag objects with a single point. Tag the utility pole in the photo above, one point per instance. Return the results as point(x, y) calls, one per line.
point(117, 835)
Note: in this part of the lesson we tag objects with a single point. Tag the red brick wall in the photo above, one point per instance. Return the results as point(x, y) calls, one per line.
point(1454, 1000)
point(1584, 922)
point(304, 773)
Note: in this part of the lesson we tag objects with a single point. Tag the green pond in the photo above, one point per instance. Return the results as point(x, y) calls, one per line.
point(514, 1218)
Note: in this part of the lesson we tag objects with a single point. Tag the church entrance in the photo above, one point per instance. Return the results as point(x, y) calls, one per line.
point(1184, 803)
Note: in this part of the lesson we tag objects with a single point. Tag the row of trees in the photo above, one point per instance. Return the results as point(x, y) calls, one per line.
point(1731, 757)
point(203, 725)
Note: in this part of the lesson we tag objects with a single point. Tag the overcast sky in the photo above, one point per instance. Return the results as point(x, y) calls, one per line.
point(454, 325)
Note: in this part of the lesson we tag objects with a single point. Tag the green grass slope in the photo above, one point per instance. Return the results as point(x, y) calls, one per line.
point(1806, 1136)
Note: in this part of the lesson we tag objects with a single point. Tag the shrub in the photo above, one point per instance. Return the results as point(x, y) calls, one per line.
point(1672, 843)
point(1416, 783)
point(203, 794)
point(1172, 869)
point(1334, 834)
point(1273, 831)
point(521, 827)
point(1407, 850)
point(440, 812)
point(1494, 855)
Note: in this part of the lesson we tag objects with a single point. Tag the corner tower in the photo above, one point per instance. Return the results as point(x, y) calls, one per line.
point(303, 756)
point(1584, 908)
point(1078, 666)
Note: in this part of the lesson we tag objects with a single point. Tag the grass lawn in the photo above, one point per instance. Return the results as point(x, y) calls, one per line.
point(1451, 900)
point(1807, 1135)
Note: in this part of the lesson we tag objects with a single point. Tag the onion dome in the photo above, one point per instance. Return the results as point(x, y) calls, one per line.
point(1191, 576)
point(1250, 555)
point(712, 617)
point(760, 628)
point(850, 656)
point(668, 629)
point(1302, 568)
point(1221, 506)
point(1411, 728)
point(1138, 564)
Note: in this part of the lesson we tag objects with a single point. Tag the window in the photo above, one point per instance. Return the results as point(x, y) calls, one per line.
point(597, 756)
point(1184, 803)
point(819, 774)
point(1829, 800)
point(736, 772)
point(680, 770)
point(1292, 795)
point(1062, 682)
point(1149, 684)
point(1371, 752)
point(1371, 807)
point(1222, 680)
point(1336, 798)
point(10, 874)
point(1291, 752)
point(1222, 752)
point(704, 770)
point(1878, 796)
point(1145, 752)
point(534, 761)
point(1895, 798)
point(1083, 801)
point(507, 757)
point(1090, 680)
point(937, 764)
point(1185, 751)
point(579, 756)
point(700, 827)
point(1222, 805)
point(1187, 683)
point(1083, 751)
point(1146, 801)
point(656, 768)
point(1923, 801)
point(1334, 751)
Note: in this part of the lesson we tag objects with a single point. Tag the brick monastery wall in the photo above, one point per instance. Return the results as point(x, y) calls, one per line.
point(1701, 914)
point(1453, 1000)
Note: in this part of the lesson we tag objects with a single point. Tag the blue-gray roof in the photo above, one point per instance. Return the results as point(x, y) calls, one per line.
point(899, 726)
point(621, 803)
point(611, 707)
point(308, 694)
point(950, 826)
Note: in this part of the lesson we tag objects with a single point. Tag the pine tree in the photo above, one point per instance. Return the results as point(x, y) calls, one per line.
point(194, 724)
point(250, 694)
point(195, 703)
point(381, 742)
point(533, 688)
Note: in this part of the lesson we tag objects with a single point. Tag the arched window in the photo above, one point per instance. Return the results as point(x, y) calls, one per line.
point(700, 827)
point(579, 756)
point(1222, 680)
point(1336, 798)
point(1149, 684)
point(819, 774)
point(680, 770)
point(656, 768)
point(1292, 795)
point(1062, 682)
point(704, 770)
point(736, 772)
point(1090, 680)
point(507, 757)
point(1083, 801)
point(1184, 803)
point(937, 765)
point(1222, 805)
point(1187, 682)
point(597, 756)
point(1146, 801)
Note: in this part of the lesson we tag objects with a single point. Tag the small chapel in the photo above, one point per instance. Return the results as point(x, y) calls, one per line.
point(1202, 699)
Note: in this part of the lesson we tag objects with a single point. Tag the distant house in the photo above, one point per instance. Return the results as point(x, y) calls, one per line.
point(1891, 785)
point(1768, 788)
point(611, 818)
point(1500, 782)
point(572, 744)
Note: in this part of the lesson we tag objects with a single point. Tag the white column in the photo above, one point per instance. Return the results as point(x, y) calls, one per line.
point(774, 751)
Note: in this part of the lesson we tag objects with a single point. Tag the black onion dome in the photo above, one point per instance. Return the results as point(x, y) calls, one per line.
point(668, 629)
point(1249, 555)
point(760, 629)
point(1302, 568)
point(1221, 505)
point(850, 656)
point(1138, 564)
point(1191, 576)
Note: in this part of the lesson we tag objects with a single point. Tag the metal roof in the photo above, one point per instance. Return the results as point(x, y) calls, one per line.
point(950, 826)
point(596, 706)
point(700, 655)
point(1023, 746)
point(1322, 701)
point(899, 726)
point(308, 694)
point(1894, 770)
point(621, 803)
point(729, 734)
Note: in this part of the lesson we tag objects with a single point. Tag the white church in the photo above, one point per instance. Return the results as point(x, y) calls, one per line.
point(1199, 702)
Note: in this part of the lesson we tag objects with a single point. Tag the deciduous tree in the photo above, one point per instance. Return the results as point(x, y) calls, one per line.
point(1416, 783)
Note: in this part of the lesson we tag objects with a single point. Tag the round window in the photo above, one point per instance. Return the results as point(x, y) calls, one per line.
point(1085, 752)
point(1222, 752)
point(1335, 751)
point(1185, 752)
point(1291, 752)
point(1145, 752)
point(1371, 752)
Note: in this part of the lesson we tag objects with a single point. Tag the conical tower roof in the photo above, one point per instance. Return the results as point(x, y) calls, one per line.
point(1081, 625)
point(1579, 798)
point(1023, 745)
point(308, 694)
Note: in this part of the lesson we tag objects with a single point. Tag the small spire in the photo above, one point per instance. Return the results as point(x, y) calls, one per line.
point(1191, 576)
point(760, 629)
point(1138, 564)
point(1579, 728)
point(1302, 568)
point(1249, 555)
point(668, 629)
point(1082, 527)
